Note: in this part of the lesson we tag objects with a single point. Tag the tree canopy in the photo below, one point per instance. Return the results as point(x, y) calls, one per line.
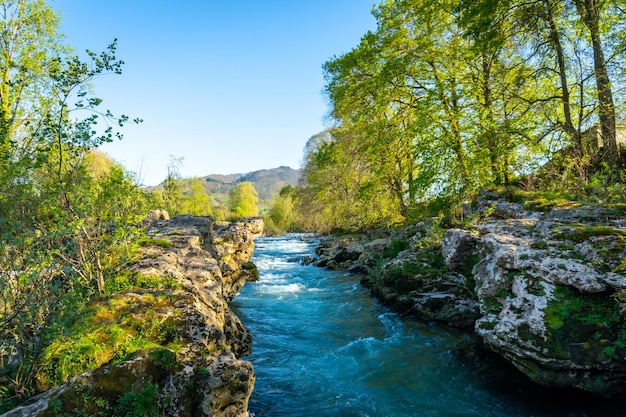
point(244, 200)
point(446, 97)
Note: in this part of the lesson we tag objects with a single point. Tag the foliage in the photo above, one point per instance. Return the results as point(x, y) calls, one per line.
point(593, 319)
point(138, 404)
point(340, 192)
point(243, 200)
point(282, 216)
point(447, 97)
point(395, 247)
point(110, 330)
point(67, 213)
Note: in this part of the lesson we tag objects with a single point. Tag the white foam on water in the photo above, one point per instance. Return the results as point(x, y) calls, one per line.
point(282, 289)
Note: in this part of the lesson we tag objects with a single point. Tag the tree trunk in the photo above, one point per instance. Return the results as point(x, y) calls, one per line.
point(555, 38)
point(589, 11)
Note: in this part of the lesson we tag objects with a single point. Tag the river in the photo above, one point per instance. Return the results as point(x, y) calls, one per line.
point(323, 346)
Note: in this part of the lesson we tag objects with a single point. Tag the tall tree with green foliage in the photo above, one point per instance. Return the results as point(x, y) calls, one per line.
point(243, 200)
point(447, 96)
point(65, 230)
point(282, 216)
point(196, 200)
point(593, 15)
point(29, 45)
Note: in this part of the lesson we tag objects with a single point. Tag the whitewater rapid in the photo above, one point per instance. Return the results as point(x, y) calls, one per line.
point(324, 347)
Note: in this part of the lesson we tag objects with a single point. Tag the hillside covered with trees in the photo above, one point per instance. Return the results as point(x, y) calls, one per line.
point(214, 191)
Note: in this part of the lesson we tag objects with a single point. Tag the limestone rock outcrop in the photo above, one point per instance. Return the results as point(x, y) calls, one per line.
point(406, 271)
point(545, 288)
point(204, 375)
point(551, 293)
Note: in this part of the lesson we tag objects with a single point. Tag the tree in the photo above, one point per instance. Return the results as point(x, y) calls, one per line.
point(29, 44)
point(282, 215)
point(196, 200)
point(591, 14)
point(446, 97)
point(66, 228)
point(172, 194)
point(243, 200)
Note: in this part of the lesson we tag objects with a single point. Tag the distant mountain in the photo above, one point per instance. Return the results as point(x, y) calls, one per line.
point(267, 182)
point(223, 178)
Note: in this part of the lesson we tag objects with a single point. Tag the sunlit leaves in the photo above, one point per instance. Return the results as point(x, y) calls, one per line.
point(243, 200)
point(447, 96)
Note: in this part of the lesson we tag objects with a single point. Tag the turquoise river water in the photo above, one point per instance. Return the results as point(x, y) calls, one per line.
point(324, 347)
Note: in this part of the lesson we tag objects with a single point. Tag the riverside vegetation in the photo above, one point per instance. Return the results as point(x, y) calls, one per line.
point(444, 99)
point(72, 297)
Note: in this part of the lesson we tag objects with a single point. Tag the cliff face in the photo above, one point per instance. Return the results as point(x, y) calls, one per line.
point(545, 289)
point(192, 367)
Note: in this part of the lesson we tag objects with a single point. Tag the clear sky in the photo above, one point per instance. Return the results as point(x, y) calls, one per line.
point(231, 86)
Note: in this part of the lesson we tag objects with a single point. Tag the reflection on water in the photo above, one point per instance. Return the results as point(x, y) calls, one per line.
point(324, 347)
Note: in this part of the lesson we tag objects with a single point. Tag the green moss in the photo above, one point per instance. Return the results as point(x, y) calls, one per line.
point(110, 330)
point(510, 276)
point(535, 286)
point(395, 247)
point(122, 398)
point(154, 242)
point(590, 320)
point(487, 325)
point(583, 232)
point(547, 203)
point(131, 280)
point(491, 305)
point(539, 245)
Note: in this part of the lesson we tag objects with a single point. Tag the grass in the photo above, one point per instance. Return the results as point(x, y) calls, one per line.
point(584, 232)
point(146, 241)
point(111, 330)
point(130, 280)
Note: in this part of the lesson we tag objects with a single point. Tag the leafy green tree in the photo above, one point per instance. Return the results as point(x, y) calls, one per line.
point(282, 216)
point(445, 97)
point(593, 15)
point(244, 200)
point(196, 200)
point(172, 194)
point(340, 190)
point(549, 37)
point(30, 45)
point(65, 227)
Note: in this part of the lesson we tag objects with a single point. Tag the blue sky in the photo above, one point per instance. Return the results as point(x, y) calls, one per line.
point(230, 86)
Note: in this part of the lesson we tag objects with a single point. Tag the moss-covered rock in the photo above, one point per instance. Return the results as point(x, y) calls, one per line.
point(547, 287)
point(166, 344)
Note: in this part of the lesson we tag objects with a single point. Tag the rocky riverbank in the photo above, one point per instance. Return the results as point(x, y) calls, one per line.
point(545, 288)
point(191, 364)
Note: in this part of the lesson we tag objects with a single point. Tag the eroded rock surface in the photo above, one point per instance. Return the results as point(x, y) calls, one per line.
point(406, 270)
point(204, 375)
point(549, 290)
point(545, 289)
